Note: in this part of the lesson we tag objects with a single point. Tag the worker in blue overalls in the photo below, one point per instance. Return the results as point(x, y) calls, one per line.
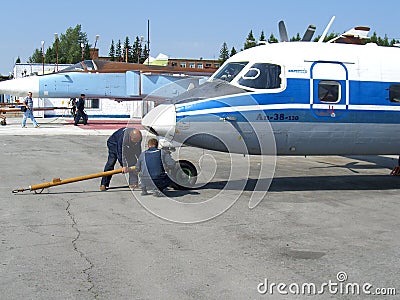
point(152, 164)
point(124, 146)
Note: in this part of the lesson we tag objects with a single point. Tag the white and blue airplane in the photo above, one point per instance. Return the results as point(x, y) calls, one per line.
point(341, 97)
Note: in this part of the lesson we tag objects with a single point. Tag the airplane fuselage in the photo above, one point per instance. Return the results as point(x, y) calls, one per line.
point(307, 98)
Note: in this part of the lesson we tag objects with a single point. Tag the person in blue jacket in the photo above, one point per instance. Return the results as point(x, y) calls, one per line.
point(152, 164)
point(28, 113)
point(80, 113)
point(124, 146)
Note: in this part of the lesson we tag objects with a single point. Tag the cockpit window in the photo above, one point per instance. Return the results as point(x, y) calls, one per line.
point(230, 71)
point(89, 64)
point(262, 76)
point(86, 65)
point(208, 89)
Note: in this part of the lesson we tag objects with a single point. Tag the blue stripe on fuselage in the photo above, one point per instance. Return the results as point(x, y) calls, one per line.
point(298, 92)
point(299, 115)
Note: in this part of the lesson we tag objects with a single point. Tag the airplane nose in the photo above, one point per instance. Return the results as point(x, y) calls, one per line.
point(161, 120)
point(20, 86)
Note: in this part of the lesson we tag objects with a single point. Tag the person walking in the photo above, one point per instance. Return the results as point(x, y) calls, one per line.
point(80, 113)
point(152, 171)
point(28, 113)
point(124, 146)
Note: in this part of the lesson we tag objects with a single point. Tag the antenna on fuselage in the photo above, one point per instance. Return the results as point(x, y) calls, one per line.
point(321, 39)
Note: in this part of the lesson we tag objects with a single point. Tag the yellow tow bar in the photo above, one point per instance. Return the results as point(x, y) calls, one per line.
point(58, 181)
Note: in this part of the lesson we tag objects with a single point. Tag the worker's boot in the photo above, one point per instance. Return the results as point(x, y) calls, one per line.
point(158, 193)
point(144, 191)
point(103, 188)
point(133, 186)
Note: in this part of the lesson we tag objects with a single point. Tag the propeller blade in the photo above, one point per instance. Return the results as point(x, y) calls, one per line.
point(282, 32)
point(309, 33)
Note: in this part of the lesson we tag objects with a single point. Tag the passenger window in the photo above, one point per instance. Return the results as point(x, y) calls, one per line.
point(394, 93)
point(329, 91)
point(262, 76)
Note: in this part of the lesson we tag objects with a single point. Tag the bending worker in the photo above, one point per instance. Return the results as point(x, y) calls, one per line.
point(123, 145)
point(151, 165)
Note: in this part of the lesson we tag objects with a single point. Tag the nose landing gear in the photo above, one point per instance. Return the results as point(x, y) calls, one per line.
point(183, 176)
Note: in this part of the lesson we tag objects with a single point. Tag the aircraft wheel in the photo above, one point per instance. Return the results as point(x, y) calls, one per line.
point(184, 175)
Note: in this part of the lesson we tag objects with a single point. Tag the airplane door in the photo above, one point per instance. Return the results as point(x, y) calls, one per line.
point(329, 89)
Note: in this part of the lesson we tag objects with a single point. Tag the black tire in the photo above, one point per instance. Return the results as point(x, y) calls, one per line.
point(184, 176)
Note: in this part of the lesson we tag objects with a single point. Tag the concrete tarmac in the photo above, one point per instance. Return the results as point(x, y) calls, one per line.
point(325, 222)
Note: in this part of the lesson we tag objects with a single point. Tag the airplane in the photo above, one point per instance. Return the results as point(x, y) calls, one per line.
point(340, 97)
point(102, 79)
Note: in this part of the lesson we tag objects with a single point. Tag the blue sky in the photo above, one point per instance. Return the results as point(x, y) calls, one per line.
point(180, 29)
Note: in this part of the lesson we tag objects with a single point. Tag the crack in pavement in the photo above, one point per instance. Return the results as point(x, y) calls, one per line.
point(85, 271)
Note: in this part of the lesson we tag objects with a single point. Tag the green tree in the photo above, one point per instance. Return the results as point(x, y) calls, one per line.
point(118, 51)
point(87, 52)
point(295, 38)
point(373, 38)
point(69, 47)
point(250, 41)
point(36, 57)
point(128, 57)
point(393, 42)
point(233, 52)
point(272, 39)
point(381, 41)
point(18, 60)
point(111, 53)
point(223, 53)
point(385, 41)
point(262, 36)
point(50, 56)
point(136, 50)
point(145, 54)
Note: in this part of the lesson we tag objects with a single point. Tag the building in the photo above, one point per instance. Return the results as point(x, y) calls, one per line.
point(4, 98)
point(194, 63)
point(164, 60)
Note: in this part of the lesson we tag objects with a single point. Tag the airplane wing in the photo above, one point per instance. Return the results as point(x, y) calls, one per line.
point(356, 35)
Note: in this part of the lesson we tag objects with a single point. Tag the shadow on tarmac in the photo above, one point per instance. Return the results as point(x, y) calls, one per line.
point(319, 183)
point(114, 189)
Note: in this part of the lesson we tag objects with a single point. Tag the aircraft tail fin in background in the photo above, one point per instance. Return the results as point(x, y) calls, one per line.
point(356, 35)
